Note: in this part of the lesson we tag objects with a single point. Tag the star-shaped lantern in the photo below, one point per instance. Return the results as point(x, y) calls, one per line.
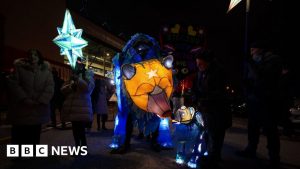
point(69, 40)
point(232, 4)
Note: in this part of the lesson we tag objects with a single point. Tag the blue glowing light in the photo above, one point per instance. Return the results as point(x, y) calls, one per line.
point(117, 120)
point(118, 86)
point(180, 158)
point(69, 40)
point(114, 145)
point(112, 82)
point(115, 142)
point(164, 138)
point(179, 161)
point(164, 124)
point(199, 148)
point(192, 165)
point(121, 118)
point(193, 162)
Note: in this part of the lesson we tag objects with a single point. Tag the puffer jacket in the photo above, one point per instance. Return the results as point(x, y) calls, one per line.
point(78, 104)
point(34, 83)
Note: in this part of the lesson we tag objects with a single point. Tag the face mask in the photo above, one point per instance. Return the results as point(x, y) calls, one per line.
point(257, 58)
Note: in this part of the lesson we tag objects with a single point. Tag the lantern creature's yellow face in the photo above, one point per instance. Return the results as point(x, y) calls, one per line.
point(149, 84)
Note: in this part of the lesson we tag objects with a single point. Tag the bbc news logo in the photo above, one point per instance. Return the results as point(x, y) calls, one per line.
point(43, 151)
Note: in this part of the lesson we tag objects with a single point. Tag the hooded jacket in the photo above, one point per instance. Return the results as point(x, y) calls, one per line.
point(78, 104)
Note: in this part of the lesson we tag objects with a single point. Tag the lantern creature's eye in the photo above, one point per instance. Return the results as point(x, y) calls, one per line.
point(128, 71)
point(184, 70)
point(168, 61)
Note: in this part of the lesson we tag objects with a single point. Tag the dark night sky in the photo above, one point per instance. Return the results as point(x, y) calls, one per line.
point(131, 16)
point(225, 32)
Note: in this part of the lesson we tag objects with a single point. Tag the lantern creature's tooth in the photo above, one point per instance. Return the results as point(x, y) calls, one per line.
point(156, 90)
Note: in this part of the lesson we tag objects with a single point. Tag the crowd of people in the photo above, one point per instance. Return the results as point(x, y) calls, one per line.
point(36, 93)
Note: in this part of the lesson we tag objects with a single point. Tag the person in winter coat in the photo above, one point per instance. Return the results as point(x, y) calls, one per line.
point(77, 106)
point(262, 76)
point(100, 102)
point(31, 88)
point(209, 99)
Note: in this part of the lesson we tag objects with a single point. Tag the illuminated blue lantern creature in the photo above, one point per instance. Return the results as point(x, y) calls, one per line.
point(190, 137)
point(144, 85)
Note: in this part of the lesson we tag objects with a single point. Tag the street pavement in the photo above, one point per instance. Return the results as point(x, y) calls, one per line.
point(141, 156)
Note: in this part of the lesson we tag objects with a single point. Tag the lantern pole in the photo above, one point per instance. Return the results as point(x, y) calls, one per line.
point(246, 28)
